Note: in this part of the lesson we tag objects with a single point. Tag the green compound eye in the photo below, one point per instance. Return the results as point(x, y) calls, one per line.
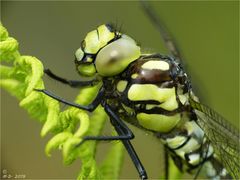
point(115, 57)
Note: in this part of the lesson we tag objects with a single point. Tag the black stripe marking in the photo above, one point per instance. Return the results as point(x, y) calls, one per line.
point(183, 144)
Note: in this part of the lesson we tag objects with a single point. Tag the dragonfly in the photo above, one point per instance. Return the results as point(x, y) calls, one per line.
point(153, 92)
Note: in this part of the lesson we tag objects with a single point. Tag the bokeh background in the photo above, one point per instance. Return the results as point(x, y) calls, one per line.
point(207, 33)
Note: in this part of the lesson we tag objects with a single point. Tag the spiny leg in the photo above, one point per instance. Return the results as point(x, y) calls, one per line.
point(107, 138)
point(125, 134)
point(133, 155)
point(167, 38)
point(72, 83)
point(122, 129)
point(117, 123)
point(89, 107)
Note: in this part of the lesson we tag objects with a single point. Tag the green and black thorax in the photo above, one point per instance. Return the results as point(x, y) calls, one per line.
point(132, 91)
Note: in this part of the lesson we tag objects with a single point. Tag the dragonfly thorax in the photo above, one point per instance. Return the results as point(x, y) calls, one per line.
point(152, 89)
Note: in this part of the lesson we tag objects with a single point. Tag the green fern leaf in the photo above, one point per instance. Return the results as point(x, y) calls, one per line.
point(21, 76)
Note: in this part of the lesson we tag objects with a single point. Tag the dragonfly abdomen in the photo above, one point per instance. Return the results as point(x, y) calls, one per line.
point(189, 147)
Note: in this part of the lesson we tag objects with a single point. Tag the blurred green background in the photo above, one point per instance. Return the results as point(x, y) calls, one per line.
point(207, 34)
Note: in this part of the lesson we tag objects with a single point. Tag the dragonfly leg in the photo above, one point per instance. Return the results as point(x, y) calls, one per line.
point(89, 107)
point(72, 83)
point(121, 129)
point(124, 134)
point(116, 122)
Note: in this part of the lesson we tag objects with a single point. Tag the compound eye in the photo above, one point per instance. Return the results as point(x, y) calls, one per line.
point(79, 54)
point(115, 57)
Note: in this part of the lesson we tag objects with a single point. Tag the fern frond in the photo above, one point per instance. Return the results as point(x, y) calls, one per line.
point(21, 76)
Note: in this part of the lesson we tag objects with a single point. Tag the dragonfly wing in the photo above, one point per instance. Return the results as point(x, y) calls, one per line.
point(222, 135)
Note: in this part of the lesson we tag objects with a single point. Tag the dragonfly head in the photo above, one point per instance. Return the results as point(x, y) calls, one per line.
point(106, 52)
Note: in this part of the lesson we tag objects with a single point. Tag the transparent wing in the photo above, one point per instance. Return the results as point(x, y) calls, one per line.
point(222, 135)
point(169, 41)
